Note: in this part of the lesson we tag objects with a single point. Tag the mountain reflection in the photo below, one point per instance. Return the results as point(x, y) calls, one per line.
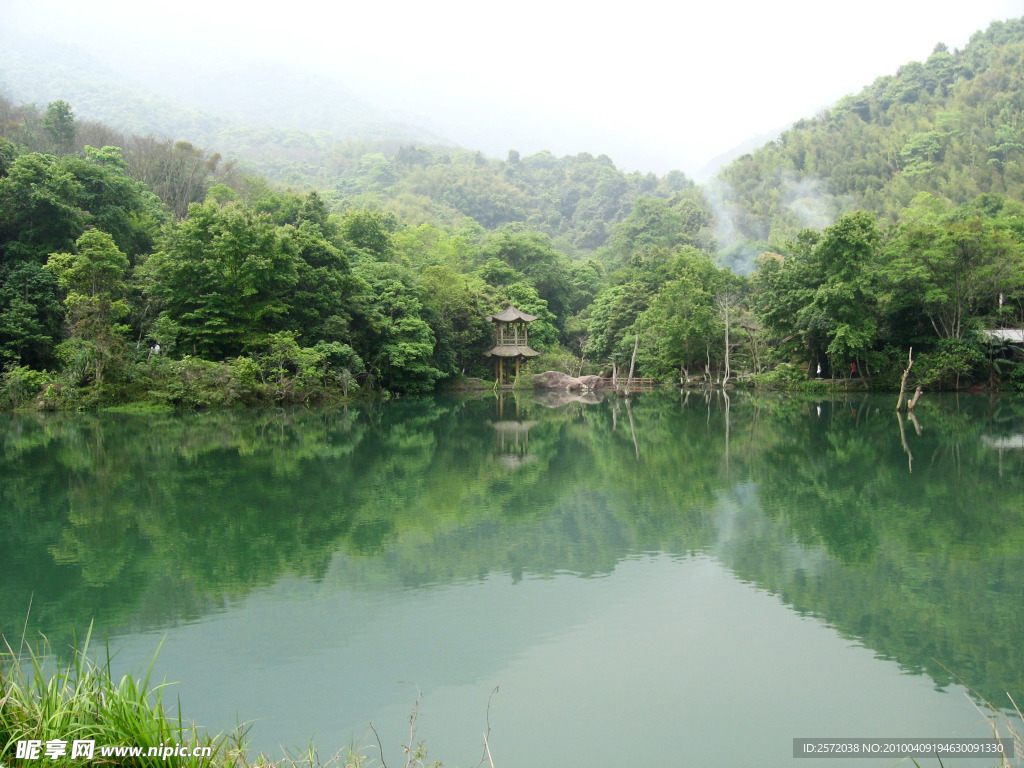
point(907, 536)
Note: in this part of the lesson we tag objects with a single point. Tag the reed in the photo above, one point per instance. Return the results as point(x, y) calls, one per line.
point(43, 700)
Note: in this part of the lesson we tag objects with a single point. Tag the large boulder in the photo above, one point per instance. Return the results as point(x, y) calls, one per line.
point(559, 380)
point(556, 380)
point(592, 382)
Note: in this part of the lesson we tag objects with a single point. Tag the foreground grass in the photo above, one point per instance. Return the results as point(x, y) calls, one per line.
point(81, 700)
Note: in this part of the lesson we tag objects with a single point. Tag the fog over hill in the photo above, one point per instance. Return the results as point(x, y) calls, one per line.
point(186, 103)
point(656, 88)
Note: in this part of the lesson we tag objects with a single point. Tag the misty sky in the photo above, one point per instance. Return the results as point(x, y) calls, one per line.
point(656, 85)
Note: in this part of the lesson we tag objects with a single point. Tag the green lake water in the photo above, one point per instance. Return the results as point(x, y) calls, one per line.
point(680, 580)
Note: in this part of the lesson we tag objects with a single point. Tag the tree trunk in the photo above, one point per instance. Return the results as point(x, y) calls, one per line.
point(725, 377)
point(632, 363)
point(903, 381)
point(914, 399)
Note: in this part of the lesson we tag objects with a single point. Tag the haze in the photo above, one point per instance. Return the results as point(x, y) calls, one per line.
point(655, 86)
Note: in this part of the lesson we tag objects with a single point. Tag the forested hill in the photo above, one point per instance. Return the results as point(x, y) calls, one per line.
point(575, 200)
point(307, 133)
point(951, 126)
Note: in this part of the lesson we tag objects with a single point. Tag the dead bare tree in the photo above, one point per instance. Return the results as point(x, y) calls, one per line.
point(903, 387)
point(903, 381)
point(725, 301)
point(632, 363)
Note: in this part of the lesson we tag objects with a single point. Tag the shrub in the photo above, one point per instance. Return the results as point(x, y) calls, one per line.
point(196, 383)
point(950, 361)
point(791, 378)
point(245, 385)
point(21, 385)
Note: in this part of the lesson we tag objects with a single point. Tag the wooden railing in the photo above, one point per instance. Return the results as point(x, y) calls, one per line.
point(636, 384)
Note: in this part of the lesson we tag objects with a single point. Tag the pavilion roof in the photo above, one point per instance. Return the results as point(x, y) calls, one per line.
point(510, 315)
point(512, 350)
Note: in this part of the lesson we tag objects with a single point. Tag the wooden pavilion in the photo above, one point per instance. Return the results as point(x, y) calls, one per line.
point(511, 340)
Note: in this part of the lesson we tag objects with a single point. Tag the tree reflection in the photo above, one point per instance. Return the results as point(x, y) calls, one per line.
point(911, 534)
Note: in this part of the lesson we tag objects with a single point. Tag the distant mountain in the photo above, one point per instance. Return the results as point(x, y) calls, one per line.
point(952, 126)
point(189, 105)
point(717, 163)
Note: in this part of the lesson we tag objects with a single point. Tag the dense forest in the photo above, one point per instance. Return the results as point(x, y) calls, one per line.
point(950, 126)
point(140, 268)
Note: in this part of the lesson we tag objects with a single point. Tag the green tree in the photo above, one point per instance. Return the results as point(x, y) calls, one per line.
point(427, 245)
point(369, 232)
point(93, 279)
point(396, 343)
point(59, 126)
point(531, 255)
point(951, 268)
point(30, 314)
point(847, 295)
point(8, 153)
point(47, 202)
point(820, 299)
point(326, 295)
point(680, 330)
point(39, 211)
point(114, 201)
point(657, 223)
point(224, 280)
point(497, 273)
point(611, 317)
point(456, 305)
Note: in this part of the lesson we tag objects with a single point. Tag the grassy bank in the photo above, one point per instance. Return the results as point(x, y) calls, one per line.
point(82, 701)
point(57, 704)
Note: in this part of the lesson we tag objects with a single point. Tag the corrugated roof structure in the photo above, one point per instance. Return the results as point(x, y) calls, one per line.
point(1011, 335)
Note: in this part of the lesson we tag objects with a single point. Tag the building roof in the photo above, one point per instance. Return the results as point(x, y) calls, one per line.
point(510, 315)
point(1005, 334)
point(512, 350)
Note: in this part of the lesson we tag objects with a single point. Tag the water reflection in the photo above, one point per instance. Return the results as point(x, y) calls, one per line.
point(904, 534)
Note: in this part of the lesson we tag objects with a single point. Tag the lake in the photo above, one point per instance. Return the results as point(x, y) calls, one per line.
point(683, 579)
